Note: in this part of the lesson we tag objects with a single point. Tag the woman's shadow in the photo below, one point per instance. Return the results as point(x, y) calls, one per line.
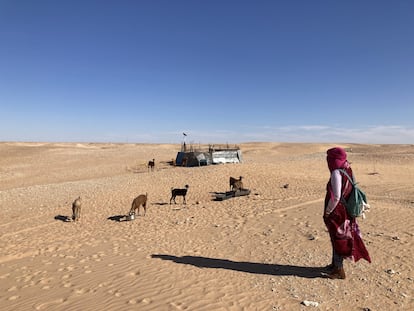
point(250, 267)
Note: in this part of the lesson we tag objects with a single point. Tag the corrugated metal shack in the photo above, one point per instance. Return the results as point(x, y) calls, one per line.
point(189, 156)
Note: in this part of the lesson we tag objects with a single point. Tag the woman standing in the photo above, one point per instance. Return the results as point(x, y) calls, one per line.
point(343, 229)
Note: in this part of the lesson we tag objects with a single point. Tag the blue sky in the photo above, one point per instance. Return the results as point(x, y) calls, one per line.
point(221, 71)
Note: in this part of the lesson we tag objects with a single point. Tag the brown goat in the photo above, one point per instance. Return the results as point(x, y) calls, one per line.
point(139, 201)
point(76, 209)
point(233, 180)
point(238, 185)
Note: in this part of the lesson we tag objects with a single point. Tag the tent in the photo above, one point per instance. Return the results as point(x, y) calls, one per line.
point(212, 156)
point(226, 156)
point(192, 158)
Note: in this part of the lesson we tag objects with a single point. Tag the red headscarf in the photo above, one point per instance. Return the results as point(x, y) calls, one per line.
point(336, 158)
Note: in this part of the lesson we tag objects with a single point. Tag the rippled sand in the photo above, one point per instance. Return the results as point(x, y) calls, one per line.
point(258, 252)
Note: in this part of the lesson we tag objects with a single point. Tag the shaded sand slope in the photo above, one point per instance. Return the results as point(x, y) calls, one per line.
point(258, 252)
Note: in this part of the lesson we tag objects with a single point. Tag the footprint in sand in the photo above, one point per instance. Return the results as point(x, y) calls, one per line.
point(146, 301)
point(46, 280)
point(68, 268)
point(114, 292)
point(4, 276)
point(13, 297)
point(80, 291)
point(177, 306)
point(133, 273)
point(45, 305)
point(132, 302)
point(66, 276)
point(98, 256)
point(104, 284)
point(47, 262)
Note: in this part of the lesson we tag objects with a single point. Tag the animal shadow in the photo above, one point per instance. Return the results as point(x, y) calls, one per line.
point(63, 218)
point(218, 196)
point(117, 218)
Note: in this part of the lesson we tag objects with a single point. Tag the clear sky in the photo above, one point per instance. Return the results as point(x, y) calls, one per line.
point(218, 70)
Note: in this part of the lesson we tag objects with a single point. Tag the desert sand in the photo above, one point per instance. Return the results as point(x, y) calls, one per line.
point(264, 251)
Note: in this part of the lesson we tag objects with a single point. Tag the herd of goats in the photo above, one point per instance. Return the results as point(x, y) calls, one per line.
point(141, 200)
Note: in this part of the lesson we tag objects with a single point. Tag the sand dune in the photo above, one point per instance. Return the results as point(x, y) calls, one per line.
point(258, 252)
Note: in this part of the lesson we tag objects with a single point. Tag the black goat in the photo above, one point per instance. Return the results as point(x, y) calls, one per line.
point(178, 192)
point(151, 165)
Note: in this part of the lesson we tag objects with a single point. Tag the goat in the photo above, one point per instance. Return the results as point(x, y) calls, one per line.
point(139, 201)
point(151, 165)
point(179, 192)
point(238, 185)
point(233, 180)
point(76, 209)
